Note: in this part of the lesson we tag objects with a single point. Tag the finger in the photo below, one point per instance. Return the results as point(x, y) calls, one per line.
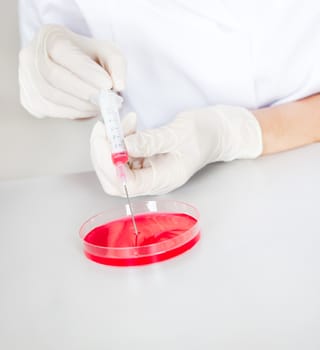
point(70, 56)
point(169, 173)
point(108, 56)
point(129, 123)
point(31, 79)
point(151, 142)
point(115, 63)
point(45, 108)
point(64, 80)
point(163, 175)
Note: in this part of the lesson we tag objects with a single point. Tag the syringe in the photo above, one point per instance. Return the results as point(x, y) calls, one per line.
point(110, 103)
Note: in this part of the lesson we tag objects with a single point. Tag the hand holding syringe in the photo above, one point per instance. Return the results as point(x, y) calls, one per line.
point(110, 103)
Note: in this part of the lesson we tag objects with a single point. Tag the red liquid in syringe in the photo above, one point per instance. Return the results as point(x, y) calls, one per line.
point(120, 157)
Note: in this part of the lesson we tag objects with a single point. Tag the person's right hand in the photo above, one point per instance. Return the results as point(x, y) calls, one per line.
point(60, 71)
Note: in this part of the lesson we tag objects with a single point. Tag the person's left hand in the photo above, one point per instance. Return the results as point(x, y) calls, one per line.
point(164, 158)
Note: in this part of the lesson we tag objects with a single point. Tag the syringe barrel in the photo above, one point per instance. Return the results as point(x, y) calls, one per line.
point(110, 104)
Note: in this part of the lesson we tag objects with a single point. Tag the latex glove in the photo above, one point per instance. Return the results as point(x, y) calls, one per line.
point(165, 158)
point(60, 71)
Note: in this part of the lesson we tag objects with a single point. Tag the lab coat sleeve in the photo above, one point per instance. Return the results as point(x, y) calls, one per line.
point(34, 13)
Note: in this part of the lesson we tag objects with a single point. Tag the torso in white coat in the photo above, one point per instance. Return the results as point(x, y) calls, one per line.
point(188, 54)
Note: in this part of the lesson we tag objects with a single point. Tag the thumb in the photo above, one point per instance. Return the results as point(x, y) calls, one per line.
point(129, 124)
point(148, 143)
point(116, 66)
point(110, 58)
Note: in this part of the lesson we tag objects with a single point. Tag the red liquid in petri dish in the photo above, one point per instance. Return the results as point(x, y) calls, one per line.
point(172, 230)
point(121, 157)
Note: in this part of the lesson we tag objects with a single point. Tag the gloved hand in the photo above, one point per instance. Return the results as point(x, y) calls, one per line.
point(165, 158)
point(60, 71)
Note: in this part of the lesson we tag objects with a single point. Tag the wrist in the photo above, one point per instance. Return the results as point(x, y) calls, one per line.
point(290, 125)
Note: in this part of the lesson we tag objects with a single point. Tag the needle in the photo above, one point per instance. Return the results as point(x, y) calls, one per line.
point(130, 207)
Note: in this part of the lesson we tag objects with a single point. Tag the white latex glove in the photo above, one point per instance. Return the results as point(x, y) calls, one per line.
point(60, 71)
point(165, 158)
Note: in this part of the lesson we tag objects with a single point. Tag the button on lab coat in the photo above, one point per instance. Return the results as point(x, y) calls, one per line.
point(188, 54)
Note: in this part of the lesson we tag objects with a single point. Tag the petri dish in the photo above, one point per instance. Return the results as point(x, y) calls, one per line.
point(167, 228)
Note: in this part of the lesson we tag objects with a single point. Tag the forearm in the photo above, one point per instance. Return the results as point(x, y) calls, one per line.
point(290, 125)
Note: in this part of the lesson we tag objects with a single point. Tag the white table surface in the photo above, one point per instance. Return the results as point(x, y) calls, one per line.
point(252, 282)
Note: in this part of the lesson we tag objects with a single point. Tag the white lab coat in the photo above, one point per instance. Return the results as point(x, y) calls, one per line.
point(187, 54)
